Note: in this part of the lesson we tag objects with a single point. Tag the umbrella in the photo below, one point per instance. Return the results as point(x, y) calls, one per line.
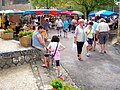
point(14, 12)
point(92, 14)
point(29, 12)
point(106, 13)
point(68, 13)
point(38, 11)
point(1, 12)
point(47, 11)
point(78, 12)
point(103, 13)
point(55, 12)
point(8, 11)
point(43, 11)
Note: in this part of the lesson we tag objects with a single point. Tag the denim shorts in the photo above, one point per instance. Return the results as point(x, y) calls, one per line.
point(65, 30)
point(57, 62)
point(90, 41)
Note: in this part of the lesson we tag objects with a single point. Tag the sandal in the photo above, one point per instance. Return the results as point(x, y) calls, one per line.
point(105, 52)
point(44, 65)
point(101, 52)
point(61, 78)
point(80, 59)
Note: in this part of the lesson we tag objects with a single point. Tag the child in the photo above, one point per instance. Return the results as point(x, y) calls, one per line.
point(56, 45)
point(90, 33)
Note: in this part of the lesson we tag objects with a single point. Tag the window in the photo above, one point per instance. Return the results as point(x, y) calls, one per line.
point(3, 2)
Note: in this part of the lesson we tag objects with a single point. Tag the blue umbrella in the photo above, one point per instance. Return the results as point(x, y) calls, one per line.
point(29, 12)
point(92, 14)
point(108, 13)
point(103, 13)
point(46, 11)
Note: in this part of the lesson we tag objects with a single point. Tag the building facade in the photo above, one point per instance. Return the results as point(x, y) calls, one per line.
point(0, 4)
point(15, 4)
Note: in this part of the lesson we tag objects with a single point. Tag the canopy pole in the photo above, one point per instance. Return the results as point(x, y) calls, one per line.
point(118, 35)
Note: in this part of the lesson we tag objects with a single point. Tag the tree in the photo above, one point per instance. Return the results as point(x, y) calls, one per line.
point(91, 5)
point(48, 3)
point(85, 6)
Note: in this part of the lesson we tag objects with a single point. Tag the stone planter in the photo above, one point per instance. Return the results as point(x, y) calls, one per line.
point(7, 36)
point(25, 41)
point(1, 31)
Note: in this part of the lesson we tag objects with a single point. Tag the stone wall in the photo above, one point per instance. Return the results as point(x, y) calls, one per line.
point(9, 59)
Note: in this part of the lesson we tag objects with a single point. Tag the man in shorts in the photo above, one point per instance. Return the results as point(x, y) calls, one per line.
point(59, 25)
point(103, 32)
point(65, 27)
point(95, 38)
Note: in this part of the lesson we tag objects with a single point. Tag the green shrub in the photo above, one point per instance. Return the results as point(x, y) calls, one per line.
point(8, 31)
point(22, 33)
point(59, 85)
point(30, 34)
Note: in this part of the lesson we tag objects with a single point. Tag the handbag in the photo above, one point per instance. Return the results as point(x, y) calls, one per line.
point(51, 56)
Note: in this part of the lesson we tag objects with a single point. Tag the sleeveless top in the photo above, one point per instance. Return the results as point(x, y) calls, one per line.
point(35, 41)
point(80, 34)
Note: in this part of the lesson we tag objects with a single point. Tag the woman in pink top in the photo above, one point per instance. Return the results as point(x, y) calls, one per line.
point(55, 43)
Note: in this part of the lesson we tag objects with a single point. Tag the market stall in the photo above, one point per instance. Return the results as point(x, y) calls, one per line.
point(1, 16)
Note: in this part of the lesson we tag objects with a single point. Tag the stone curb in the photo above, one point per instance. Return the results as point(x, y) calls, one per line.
point(45, 75)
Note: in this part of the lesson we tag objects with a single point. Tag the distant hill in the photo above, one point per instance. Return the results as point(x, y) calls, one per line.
point(20, 1)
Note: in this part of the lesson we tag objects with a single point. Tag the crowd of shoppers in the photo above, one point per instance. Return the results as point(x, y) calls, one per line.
point(85, 33)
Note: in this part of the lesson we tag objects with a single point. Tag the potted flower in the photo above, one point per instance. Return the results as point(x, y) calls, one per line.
point(25, 38)
point(7, 34)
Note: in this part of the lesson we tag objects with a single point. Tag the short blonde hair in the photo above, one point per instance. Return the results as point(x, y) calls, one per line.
point(81, 21)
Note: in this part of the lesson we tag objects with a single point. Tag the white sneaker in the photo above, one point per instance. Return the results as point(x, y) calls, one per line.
point(88, 55)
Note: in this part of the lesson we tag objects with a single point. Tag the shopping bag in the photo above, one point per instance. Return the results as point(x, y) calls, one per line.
point(86, 43)
point(74, 47)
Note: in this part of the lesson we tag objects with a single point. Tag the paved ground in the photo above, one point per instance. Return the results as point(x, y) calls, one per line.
point(17, 78)
point(30, 76)
point(98, 72)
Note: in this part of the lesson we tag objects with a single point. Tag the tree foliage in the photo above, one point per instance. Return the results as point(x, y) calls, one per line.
point(48, 3)
point(82, 5)
point(91, 5)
